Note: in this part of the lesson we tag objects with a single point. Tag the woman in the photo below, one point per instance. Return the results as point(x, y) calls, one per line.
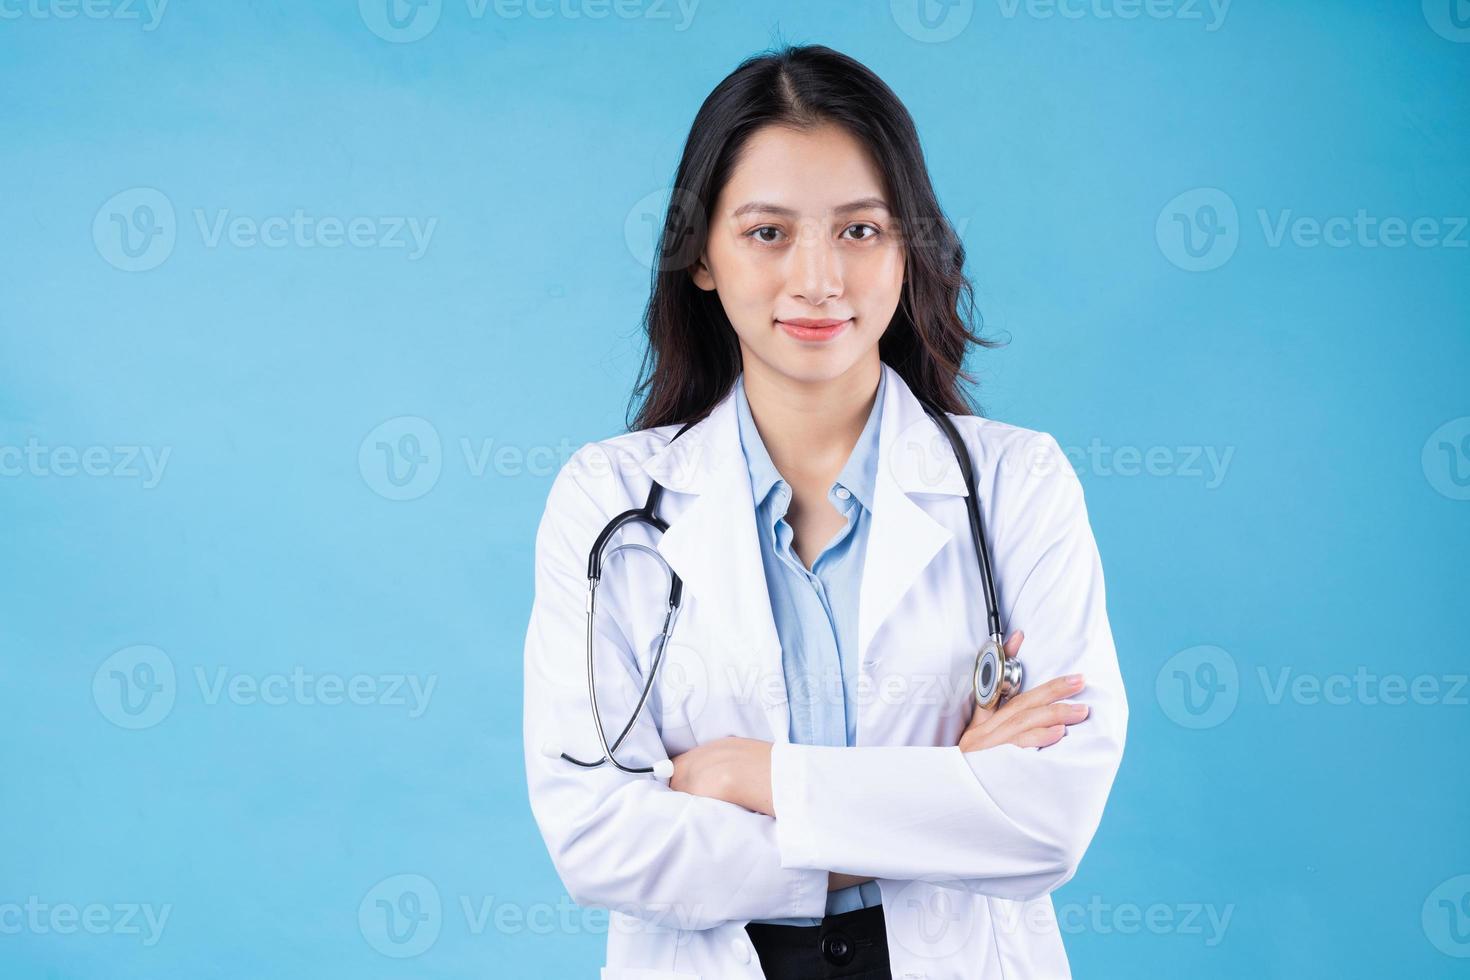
point(838, 806)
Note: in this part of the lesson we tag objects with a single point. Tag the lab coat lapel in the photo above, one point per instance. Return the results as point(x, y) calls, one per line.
point(914, 457)
point(712, 545)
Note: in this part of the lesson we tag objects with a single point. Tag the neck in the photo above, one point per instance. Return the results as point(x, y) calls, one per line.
point(809, 428)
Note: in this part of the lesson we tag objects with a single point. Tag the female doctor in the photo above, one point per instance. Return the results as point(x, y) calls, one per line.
point(839, 805)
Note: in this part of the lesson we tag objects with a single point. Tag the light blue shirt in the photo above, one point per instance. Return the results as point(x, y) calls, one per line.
point(816, 610)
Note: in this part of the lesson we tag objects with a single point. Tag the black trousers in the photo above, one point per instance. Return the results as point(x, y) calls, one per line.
point(851, 945)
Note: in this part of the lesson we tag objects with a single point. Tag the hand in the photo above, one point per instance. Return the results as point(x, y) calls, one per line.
point(736, 770)
point(1031, 719)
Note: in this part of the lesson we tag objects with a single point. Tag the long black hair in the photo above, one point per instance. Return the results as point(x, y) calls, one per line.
point(693, 354)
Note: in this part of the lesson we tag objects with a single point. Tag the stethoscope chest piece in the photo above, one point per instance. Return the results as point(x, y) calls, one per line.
point(996, 675)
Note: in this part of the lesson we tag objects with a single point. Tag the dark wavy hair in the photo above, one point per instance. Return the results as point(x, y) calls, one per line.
point(693, 354)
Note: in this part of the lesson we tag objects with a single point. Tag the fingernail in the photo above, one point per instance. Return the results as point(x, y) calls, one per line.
point(1074, 679)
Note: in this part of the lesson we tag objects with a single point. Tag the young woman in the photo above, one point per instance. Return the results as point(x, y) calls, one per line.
point(838, 805)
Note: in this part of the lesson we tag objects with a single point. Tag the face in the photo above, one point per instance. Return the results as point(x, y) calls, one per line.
point(804, 254)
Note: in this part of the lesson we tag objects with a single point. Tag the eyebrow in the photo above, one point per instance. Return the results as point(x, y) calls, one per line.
point(762, 207)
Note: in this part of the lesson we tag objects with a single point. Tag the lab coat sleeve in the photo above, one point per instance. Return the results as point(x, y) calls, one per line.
point(1004, 821)
point(621, 841)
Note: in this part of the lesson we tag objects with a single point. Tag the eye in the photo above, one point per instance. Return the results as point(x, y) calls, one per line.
point(756, 234)
point(872, 228)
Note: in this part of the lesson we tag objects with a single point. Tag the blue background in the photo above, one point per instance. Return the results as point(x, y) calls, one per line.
point(1332, 543)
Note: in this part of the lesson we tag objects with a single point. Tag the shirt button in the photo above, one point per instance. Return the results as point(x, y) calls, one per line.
point(741, 949)
point(843, 493)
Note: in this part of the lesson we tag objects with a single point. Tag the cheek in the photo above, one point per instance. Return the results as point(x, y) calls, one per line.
point(749, 290)
point(877, 277)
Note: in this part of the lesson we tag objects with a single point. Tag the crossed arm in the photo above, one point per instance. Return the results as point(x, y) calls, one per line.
point(753, 830)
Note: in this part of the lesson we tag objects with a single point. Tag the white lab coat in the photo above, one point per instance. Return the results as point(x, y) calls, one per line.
point(965, 847)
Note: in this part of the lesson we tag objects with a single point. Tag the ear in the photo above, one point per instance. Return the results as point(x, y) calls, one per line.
point(701, 275)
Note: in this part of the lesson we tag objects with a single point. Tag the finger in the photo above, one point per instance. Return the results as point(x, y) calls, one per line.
point(1037, 738)
point(1046, 716)
point(1052, 690)
point(1013, 645)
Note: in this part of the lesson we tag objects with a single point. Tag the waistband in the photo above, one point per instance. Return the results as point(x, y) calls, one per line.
point(850, 945)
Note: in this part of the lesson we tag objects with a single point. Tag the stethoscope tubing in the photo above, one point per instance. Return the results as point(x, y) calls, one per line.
point(647, 514)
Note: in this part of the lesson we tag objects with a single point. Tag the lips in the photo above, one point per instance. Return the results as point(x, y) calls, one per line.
point(812, 329)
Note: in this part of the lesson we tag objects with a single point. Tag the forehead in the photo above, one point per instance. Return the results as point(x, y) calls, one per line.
point(809, 171)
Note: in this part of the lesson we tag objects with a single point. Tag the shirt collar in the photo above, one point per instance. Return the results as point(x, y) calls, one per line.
point(859, 473)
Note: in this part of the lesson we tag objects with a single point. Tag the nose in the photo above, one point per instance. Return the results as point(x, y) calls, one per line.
point(816, 273)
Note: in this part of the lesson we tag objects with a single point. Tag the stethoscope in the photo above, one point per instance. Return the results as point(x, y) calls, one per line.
point(996, 676)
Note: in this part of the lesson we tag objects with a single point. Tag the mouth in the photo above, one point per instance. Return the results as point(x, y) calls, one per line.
point(813, 330)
